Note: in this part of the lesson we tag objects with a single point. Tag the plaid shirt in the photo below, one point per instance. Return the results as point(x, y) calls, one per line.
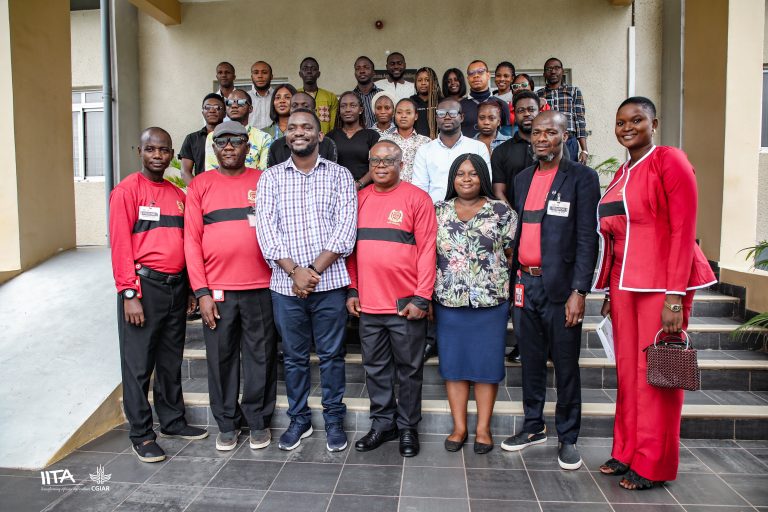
point(568, 100)
point(300, 215)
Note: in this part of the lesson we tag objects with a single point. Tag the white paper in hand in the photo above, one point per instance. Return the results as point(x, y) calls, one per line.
point(605, 333)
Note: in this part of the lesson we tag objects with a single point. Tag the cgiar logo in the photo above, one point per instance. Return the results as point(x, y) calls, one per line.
point(100, 478)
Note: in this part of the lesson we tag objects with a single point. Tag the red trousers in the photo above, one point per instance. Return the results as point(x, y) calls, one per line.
point(646, 431)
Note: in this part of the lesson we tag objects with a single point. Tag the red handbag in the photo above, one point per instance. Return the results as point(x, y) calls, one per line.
point(672, 363)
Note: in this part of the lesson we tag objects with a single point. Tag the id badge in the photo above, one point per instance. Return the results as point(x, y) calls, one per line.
point(252, 220)
point(218, 295)
point(519, 295)
point(558, 208)
point(150, 213)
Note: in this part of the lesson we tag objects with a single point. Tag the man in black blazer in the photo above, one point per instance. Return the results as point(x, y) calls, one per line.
point(555, 256)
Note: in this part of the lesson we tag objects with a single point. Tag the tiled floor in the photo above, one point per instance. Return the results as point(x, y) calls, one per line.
point(716, 476)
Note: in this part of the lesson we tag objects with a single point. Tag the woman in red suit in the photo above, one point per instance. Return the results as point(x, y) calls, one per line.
point(649, 267)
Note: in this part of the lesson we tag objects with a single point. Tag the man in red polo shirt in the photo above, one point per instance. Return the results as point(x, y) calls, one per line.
point(146, 230)
point(393, 273)
point(231, 280)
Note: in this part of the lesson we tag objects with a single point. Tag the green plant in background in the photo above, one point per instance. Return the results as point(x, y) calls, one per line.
point(759, 255)
point(605, 168)
point(174, 178)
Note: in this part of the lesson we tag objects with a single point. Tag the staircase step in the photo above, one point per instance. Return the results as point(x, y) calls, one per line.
point(735, 416)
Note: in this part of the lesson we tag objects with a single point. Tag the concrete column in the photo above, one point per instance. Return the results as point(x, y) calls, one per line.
point(722, 76)
point(37, 206)
point(125, 83)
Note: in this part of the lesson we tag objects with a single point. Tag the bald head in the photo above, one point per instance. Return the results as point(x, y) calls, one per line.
point(554, 117)
point(157, 134)
point(396, 151)
point(548, 134)
point(155, 152)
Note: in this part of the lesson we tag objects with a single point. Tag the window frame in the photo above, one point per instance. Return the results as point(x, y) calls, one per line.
point(81, 108)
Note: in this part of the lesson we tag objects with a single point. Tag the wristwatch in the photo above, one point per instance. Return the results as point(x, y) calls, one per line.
point(128, 294)
point(675, 308)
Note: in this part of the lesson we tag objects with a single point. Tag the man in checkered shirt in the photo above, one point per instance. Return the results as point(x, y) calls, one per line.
point(306, 224)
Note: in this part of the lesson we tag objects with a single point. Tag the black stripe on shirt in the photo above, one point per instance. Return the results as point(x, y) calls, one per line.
point(386, 235)
point(611, 209)
point(533, 216)
point(227, 214)
point(166, 221)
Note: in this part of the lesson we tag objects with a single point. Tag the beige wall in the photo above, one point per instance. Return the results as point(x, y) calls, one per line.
point(86, 49)
point(36, 37)
point(177, 63)
point(90, 211)
point(762, 198)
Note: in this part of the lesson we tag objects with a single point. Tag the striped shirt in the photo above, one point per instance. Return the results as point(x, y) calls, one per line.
point(301, 215)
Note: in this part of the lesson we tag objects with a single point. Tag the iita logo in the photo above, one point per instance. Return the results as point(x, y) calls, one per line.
point(57, 477)
point(62, 479)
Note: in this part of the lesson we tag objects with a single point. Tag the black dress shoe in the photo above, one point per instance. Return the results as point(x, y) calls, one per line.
point(374, 438)
point(409, 442)
point(514, 356)
point(429, 351)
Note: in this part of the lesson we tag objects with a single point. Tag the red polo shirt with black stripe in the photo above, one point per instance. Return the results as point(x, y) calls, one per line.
point(529, 252)
point(220, 241)
point(157, 244)
point(394, 256)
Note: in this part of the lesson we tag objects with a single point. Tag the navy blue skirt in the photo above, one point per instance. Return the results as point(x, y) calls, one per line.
point(471, 341)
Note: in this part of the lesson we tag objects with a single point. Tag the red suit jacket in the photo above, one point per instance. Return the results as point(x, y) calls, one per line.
point(661, 254)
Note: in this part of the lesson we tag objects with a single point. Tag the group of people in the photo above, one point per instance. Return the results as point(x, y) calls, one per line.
point(430, 239)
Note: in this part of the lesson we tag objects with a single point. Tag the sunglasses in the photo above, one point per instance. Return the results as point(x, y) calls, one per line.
point(236, 141)
point(520, 85)
point(239, 103)
point(447, 113)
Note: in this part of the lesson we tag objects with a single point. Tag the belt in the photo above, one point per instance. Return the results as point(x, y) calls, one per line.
point(158, 276)
point(534, 271)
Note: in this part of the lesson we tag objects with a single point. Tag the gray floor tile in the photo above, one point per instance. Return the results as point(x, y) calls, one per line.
point(82, 464)
point(495, 459)
point(207, 448)
point(593, 456)
point(94, 501)
point(709, 443)
point(761, 454)
point(128, 468)
point(728, 460)
point(699, 489)
point(229, 500)
point(614, 493)
point(753, 443)
point(717, 508)
point(434, 482)
point(370, 480)
point(275, 501)
point(499, 485)
point(435, 455)
point(689, 463)
point(568, 486)
point(698, 398)
point(503, 506)
point(433, 505)
point(575, 507)
point(271, 452)
point(754, 488)
point(191, 471)
point(735, 397)
point(159, 498)
point(540, 457)
point(25, 494)
point(115, 441)
point(307, 477)
point(315, 450)
point(648, 508)
point(246, 474)
point(347, 503)
point(388, 454)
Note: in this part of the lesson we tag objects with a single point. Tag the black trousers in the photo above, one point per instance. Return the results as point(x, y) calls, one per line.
point(157, 346)
point(539, 330)
point(393, 351)
point(246, 331)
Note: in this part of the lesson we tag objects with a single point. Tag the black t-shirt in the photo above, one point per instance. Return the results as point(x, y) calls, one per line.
point(422, 123)
point(279, 151)
point(353, 151)
point(469, 109)
point(193, 149)
point(511, 157)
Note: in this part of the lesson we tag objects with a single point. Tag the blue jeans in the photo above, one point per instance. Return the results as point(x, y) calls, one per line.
point(322, 316)
point(572, 143)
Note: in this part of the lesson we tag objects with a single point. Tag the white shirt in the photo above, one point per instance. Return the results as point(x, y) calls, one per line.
point(400, 91)
point(433, 161)
point(259, 117)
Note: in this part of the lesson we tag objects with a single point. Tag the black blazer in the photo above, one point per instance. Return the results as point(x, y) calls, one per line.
point(568, 244)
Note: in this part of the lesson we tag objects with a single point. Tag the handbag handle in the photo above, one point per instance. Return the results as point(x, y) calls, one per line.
point(687, 338)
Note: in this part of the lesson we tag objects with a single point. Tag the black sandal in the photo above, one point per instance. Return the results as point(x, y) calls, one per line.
point(639, 483)
point(616, 468)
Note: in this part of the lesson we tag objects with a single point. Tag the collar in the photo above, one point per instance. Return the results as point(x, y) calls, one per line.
point(269, 92)
point(319, 164)
point(459, 141)
point(518, 139)
point(480, 96)
point(374, 90)
point(204, 131)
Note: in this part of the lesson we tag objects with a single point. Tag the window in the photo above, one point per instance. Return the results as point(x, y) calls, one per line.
point(88, 134)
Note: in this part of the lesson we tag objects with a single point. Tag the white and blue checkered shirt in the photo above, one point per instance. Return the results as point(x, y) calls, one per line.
point(301, 215)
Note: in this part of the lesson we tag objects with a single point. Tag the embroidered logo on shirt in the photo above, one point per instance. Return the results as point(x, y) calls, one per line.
point(395, 217)
point(323, 113)
point(180, 205)
point(252, 196)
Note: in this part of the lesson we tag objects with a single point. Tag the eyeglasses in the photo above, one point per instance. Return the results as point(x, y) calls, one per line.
point(519, 85)
point(550, 69)
point(212, 108)
point(523, 110)
point(476, 72)
point(239, 103)
point(447, 113)
point(375, 161)
point(236, 141)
